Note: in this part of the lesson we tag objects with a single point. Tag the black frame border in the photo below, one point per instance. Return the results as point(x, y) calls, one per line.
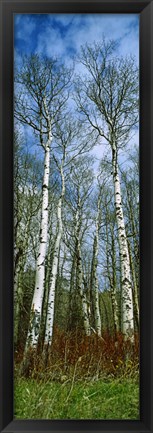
point(145, 9)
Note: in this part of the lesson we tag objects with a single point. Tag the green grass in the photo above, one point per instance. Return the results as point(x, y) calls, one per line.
point(113, 399)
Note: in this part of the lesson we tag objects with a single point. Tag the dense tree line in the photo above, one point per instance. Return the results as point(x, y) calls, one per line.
point(76, 234)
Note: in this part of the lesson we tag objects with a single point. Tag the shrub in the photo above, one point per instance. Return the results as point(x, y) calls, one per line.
point(90, 357)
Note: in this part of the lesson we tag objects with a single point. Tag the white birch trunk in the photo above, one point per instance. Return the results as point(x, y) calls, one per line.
point(94, 279)
point(113, 284)
point(36, 309)
point(51, 298)
point(127, 302)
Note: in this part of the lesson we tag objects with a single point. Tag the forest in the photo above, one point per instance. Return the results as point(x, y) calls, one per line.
point(76, 236)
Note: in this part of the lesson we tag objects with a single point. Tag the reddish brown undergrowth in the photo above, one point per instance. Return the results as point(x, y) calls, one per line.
point(85, 357)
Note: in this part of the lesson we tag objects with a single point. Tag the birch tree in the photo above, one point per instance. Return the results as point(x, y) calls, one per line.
point(108, 98)
point(131, 202)
point(26, 206)
point(52, 283)
point(79, 271)
point(67, 134)
point(94, 286)
point(111, 258)
point(40, 100)
point(80, 186)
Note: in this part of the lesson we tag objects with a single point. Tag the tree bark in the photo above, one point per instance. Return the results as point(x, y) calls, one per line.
point(79, 275)
point(51, 298)
point(112, 273)
point(73, 308)
point(127, 302)
point(134, 264)
point(36, 308)
point(94, 278)
point(114, 284)
point(134, 290)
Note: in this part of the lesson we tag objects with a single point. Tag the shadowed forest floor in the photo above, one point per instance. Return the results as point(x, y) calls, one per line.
point(97, 399)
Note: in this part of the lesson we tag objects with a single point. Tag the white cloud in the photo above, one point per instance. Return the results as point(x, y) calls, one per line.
point(65, 33)
point(88, 28)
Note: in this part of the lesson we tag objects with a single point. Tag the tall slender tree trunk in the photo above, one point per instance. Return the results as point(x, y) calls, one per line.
point(114, 284)
point(134, 265)
point(79, 284)
point(79, 275)
point(36, 308)
point(127, 302)
point(94, 278)
point(105, 321)
point(112, 274)
point(51, 298)
point(48, 270)
point(135, 290)
point(73, 307)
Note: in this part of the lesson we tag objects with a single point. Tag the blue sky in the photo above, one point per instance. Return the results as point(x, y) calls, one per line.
point(61, 35)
